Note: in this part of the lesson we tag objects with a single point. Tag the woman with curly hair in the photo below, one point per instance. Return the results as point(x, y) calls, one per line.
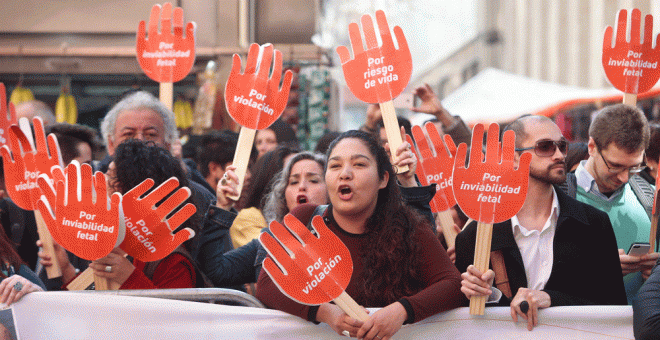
point(398, 263)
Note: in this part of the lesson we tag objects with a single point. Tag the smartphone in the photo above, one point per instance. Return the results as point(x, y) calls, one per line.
point(639, 249)
point(403, 101)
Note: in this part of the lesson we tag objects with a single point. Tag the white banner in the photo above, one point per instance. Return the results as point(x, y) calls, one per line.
point(70, 315)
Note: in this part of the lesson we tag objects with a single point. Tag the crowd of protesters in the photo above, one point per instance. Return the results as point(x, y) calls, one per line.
point(567, 246)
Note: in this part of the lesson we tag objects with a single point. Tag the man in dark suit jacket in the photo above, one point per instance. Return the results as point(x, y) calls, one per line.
point(556, 250)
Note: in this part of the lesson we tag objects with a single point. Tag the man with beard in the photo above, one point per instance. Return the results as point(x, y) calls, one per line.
point(556, 251)
point(608, 180)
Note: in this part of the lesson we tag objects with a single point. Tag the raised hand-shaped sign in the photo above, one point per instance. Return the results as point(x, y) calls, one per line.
point(149, 234)
point(22, 167)
point(437, 169)
point(7, 116)
point(163, 56)
point(631, 67)
point(378, 74)
point(489, 190)
point(24, 164)
point(309, 269)
point(254, 99)
point(77, 212)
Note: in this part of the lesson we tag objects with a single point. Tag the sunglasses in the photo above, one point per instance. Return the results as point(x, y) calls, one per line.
point(547, 148)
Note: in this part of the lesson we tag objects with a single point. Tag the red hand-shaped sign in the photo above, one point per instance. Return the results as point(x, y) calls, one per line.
point(86, 228)
point(490, 191)
point(311, 270)
point(23, 164)
point(254, 100)
point(166, 57)
point(5, 120)
point(631, 67)
point(436, 169)
point(149, 235)
point(378, 74)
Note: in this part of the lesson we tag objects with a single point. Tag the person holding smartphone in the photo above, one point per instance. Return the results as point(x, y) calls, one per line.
point(609, 181)
point(555, 251)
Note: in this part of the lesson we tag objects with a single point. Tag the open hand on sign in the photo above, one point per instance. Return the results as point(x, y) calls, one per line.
point(149, 235)
point(490, 190)
point(309, 269)
point(23, 164)
point(627, 78)
point(5, 120)
point(388, 69)
point(181, 51)
point(253, 99)
point(77, 212)
point(436, 168)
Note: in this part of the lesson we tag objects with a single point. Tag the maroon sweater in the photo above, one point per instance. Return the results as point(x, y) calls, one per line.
point(440, 280)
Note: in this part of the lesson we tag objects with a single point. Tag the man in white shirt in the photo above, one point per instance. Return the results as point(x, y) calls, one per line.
point(556, 251)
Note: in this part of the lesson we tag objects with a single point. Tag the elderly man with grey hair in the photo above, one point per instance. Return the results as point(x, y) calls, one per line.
point(142, 116)
point(139, 116)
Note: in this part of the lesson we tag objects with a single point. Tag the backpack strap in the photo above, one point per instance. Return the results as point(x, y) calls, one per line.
point(501, 277)
point(571, 184)
point(645, 193)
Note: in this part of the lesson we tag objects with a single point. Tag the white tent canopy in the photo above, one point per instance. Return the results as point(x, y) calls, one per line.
point(497, 96)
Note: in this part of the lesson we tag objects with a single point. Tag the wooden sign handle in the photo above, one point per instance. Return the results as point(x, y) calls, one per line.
point(447, 225)
point(242, 156)
point(87, 277)
point(82, 281)
point(481, 260)
point(47, 240)
point(630, 99)
point(350, 307)
point(166, 94)
point(101, 283)
point(392, 130)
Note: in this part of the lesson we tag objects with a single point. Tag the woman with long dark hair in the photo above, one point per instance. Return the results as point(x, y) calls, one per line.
point(399, 264)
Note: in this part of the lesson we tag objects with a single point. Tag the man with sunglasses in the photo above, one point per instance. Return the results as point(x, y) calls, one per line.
point(555, 251)
point(608, 180)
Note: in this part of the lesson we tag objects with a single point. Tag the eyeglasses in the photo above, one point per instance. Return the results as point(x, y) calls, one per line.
point(618, 169)
point(547, 148)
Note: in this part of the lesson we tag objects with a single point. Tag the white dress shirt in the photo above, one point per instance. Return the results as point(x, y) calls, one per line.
point(536, 247)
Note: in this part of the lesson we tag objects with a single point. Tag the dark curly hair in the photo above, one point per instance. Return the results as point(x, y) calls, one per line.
point(389, 259)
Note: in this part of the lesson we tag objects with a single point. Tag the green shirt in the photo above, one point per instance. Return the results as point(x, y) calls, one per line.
point(630, 222)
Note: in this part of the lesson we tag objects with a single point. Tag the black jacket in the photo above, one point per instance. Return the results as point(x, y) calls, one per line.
point(646, 307)
point(586, 268)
